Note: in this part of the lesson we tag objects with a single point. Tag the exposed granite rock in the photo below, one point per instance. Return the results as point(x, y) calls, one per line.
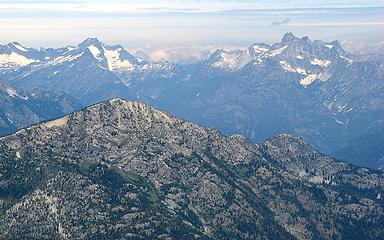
point(121, 169)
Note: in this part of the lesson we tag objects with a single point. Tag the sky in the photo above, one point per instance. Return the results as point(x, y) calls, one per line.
point(166, 23)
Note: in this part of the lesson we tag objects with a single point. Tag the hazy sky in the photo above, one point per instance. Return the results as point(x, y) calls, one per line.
point(138, 23)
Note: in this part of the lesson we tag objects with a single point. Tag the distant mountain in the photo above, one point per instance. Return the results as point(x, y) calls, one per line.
point(14, 56)
point(91, 71)
point(313, 89)
point(311, 60)
point(121, 169)
point(21, 108)
point(366, 150)
point(309, 88)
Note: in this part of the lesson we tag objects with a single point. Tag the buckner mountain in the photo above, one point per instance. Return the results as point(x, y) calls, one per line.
point(122, 169)
point(313, 89)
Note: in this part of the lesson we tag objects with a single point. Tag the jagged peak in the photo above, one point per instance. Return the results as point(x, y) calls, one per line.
point(306, 40)
point(90, 40)
point(288, 37)
point(15, 43)
point(92, 44)
point(15, 46)
point(260, 45)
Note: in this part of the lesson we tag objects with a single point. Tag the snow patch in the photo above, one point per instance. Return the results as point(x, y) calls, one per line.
point(12, 93)
point(63, 59)
point(229, 60)
point(277, 51)
point(300, 57)
point(9, 118)
point(287, 67)
point(347, 59)
point(18, 155)
point(21, 48)
point(308, 80)
point(329, 46)
point(349, 110)
point(259, 49)
point(301, 71)
point(114, 61)
point(322, 63)
point(95, 52)
point(16, 59)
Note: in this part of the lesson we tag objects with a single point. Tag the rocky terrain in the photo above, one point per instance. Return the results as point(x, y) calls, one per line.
point(124, 170)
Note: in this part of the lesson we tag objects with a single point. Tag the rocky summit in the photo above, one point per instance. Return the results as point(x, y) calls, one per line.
point(124, 170)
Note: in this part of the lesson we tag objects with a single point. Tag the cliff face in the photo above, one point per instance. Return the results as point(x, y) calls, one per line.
point(121, 169)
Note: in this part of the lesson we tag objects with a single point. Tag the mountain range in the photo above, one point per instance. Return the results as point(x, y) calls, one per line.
point(124, 170)
point(312, 89)
point(21, 108)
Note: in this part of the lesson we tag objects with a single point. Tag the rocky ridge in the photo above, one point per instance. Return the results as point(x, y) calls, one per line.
point(123, 169)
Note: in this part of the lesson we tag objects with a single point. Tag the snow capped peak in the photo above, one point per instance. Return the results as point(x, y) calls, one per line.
point(90, 41)
point(63, 59)
point(113, 58)
point(15, 59)
point(19, 47)
point(277, 51)
point(116, 60)
point(260, 48)
point(94, 46)
point(95, 52)
point(226, 59)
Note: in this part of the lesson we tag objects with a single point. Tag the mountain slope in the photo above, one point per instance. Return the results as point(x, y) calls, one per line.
point(123, 169)
point(14, 56)
point(365, 150)
point(309, 88)
point(91, 71)
point(21, 108)
point(312, 89)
